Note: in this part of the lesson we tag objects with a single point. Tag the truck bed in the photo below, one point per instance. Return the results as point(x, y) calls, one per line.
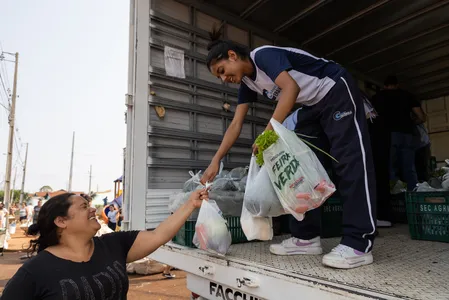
point(402, 269)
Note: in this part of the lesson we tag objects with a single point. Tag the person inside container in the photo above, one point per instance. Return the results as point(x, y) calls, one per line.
point(404, 112)
point(332, 106)
point(71, 263)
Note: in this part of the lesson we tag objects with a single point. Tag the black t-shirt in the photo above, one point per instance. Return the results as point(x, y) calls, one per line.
point(48, 277)
point(396, 106)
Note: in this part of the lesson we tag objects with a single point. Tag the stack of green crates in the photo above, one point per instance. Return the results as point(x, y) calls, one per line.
point(398, 208)
point(428, 215)
point(184, 236)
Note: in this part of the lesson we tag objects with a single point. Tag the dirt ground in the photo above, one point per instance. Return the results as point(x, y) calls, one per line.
point(152, 287)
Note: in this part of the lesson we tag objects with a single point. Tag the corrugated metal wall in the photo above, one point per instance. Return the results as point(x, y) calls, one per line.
point(189, 134)
point(438, 126)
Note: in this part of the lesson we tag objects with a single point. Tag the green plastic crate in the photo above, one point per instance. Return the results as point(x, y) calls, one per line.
point(428, 215)
point(331, 218)
point(398, 208)
point(185, 234)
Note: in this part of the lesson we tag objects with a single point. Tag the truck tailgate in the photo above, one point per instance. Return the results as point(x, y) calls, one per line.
point(403, 269)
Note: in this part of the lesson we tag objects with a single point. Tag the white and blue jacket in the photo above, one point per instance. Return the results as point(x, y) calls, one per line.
point(315, 76)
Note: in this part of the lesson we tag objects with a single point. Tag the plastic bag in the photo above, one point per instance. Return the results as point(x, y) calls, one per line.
point(237, 174)
point(224, 184)
point(211, 230)
point(260, 197)
point(256, 228)
point(230, 203)
point(193, 183)
point(242, 184)
point(398, 188)
point(222, 174)
point(299, 179)
point(425, 187)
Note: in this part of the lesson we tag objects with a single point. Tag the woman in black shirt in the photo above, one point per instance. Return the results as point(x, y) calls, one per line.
point(73, 264)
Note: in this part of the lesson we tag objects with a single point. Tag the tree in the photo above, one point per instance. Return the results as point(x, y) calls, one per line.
point(15, 197)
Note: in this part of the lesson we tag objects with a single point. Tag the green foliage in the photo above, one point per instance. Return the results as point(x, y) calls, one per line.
point(15, 197)
point(263, 142)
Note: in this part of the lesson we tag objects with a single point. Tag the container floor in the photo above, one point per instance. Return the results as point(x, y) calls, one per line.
point(403, 268)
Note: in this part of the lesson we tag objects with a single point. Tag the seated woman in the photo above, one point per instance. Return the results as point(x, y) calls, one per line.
point(73, 264)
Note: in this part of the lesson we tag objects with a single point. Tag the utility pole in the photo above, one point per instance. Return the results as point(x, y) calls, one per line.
point(13, 185)
point(22, 191)
point(11, 136)
point(71, 163)
point(90, 180)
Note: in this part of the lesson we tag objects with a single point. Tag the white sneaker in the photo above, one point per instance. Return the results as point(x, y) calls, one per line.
point(295, 246)
point(344, 257)
point(385, 224)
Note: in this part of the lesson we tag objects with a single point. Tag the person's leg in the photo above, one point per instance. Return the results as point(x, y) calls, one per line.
point(426, 161)
point(166, 272)
point(344, 122)
point(422, 163)
point(2, 241)
point(380, 143)
point(394, 152)
point(407, 160)
point(112, 226)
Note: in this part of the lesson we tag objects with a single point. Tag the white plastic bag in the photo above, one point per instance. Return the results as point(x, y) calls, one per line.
point(211, 230)
point(260, 198)
point(193, 183)
point(299, 179)
point(256, 228)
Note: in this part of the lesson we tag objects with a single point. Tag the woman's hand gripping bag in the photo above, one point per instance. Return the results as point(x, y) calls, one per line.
point(299, 179)
point(211, 230)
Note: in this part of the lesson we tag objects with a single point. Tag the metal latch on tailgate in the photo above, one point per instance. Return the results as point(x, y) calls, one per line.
point(207, 270)
point(248, 282)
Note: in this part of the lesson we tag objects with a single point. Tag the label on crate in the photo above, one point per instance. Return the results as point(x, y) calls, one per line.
point(444, 208)
point(435, 230)
point(435, 200)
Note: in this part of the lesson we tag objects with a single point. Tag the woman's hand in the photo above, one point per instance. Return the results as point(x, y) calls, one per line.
point(211, 172)
point(197, 197)
point(255, 149)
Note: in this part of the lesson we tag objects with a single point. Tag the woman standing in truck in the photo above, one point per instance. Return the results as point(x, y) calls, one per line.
point(331, 103)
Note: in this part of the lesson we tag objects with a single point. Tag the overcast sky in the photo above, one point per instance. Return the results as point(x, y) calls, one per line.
point(72, 77)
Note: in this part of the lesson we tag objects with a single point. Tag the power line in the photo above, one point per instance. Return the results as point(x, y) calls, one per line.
point(1, 104)
point(4, 87)
point(5, 68)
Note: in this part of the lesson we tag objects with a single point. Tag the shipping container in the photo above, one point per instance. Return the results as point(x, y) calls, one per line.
point(176, 119)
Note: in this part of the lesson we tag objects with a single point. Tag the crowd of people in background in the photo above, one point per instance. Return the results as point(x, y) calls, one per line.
point(400, 143)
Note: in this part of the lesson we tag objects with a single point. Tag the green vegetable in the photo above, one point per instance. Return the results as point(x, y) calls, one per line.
point(263, 141)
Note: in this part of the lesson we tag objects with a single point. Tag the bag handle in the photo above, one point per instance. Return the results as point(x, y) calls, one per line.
point(278, 127)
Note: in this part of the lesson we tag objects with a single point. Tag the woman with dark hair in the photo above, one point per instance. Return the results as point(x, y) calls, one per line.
point(73, 264)
point(331, 102)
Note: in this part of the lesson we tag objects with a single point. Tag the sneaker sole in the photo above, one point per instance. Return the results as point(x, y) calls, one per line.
point(338, 264)
point(308, 251)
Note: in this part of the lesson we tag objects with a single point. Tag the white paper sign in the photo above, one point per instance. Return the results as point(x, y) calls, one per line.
point(174, 62)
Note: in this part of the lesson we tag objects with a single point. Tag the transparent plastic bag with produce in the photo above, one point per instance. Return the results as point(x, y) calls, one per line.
point(299, 179)
point(211, 230)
